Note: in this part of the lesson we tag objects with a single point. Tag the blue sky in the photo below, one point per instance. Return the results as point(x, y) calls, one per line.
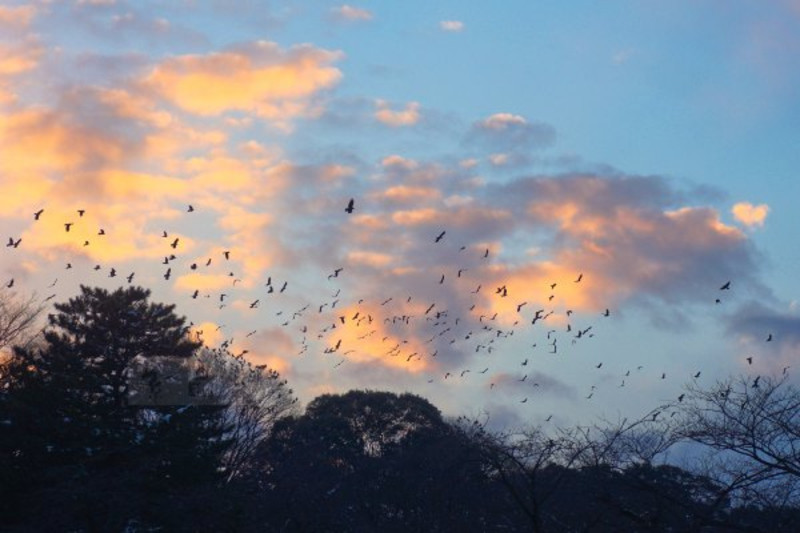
point(650, 146)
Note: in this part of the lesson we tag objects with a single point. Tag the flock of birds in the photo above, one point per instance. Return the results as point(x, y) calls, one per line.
point(406, 332)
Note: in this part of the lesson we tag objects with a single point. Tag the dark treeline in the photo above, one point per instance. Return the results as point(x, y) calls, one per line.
point(91, 440)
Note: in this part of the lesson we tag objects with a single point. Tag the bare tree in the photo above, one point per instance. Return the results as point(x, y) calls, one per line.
point(255, 398)
point(18, 319)
point(752, 427)
point(543, 470)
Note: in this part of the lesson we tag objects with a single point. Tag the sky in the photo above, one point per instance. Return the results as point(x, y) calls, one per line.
point(548, 198)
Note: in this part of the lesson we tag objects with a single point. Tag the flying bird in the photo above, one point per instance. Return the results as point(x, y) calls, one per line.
point(37, 214)
point(580, 277)
point(439, 237)
point(726, 286)
point(81, 212)
point(67, 225)
point(190, 209)
point(350, 206)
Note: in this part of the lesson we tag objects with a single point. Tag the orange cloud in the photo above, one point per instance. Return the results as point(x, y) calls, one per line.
point(461, 217)
point(373, 342)
point(350, 13)
point(16, 59)
point(373, 259)
point(395, 160)
point(750, 215)
point(258, 77)
point(405, 193)
point(407, 117)
point(17, 17)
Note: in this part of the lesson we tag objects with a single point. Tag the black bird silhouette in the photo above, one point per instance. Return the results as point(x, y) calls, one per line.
point(769, 337)
point(81, 212)
point(580, 277)
point(174, 243)
point(697, 375)
point(350, 206)
point(196, 293)
point(130, 277)
point(168, 273)
point(441, 280)
point(67, 225)
point(254, 304)
point(606, 312)
point(101, 232)
point(749, 360)
point(10, 283)
point(440, 236)
point(12, 243)
point(190, 209)
point(726, 286)
point(227, 254)
point(113, 273)
point(283, 288)
point(37, 214)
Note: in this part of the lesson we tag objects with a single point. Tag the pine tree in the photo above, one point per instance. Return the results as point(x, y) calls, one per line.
point(76, 440)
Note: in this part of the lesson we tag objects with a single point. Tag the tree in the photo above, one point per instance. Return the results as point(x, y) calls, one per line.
point(18, 318)
point(255, 398)
point(376, 461)
point(752, 427)
point(75, 449)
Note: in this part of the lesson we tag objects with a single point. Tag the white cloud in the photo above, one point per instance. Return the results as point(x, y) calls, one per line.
point(451, 25)
point(350, 13)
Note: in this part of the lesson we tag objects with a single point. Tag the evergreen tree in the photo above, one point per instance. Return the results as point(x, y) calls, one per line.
point(72, 437)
